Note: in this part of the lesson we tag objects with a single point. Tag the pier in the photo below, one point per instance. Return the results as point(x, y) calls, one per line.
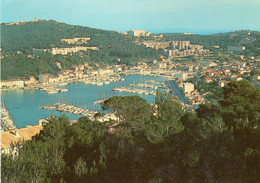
point(7, 121)
point(146, 86)
point(70, 109)
point(130, 90)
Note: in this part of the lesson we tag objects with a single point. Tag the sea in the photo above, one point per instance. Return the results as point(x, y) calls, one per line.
point(23, 105)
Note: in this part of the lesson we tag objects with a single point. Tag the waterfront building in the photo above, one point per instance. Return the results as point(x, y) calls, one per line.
point(12, 83)
point(44, 78)
point(105, 71)
point(30, 81)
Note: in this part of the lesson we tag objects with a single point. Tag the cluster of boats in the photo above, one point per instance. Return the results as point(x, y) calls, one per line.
point(146, 86)
point(7, 121)
point(69, 108)
point(52, 90)
point(101, 81)
point(130, 90)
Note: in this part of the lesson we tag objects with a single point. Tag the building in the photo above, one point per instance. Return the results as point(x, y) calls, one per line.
point(58, 64)
point(30, 81)
point(138, 33)
point(208, 80)
point(223, 83)
point(12, 83)
point(78, 40)
point(65, 51)
point(188, 87)
point(236, 48)
point(156, 45)
point(53, 80)
point(209, 64)
point(11, 138)
point(44, 78)
point(162, 64)
point(106, 71)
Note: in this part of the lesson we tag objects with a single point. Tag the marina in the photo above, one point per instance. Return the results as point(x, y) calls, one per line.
point(23, 105)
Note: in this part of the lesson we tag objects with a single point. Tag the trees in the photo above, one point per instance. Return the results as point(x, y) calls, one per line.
point(129, 108)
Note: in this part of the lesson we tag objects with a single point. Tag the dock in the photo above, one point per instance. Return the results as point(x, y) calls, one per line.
point(70, 109)
point(130, 90)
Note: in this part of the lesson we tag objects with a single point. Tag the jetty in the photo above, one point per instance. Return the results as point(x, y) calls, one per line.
point(146, 86)
point(130, 90)
point(60, 107)
point(7, 121)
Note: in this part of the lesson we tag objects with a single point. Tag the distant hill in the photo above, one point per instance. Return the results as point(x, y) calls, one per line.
point(250, 39)
point(47, 34)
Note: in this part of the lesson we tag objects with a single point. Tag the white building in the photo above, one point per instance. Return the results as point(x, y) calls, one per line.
point(188, 87)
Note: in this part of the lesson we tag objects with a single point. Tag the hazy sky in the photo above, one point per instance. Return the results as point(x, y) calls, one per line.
point(198, 16)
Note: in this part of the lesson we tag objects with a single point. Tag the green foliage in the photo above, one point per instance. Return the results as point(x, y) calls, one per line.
point(130, 108)
point(48, 34)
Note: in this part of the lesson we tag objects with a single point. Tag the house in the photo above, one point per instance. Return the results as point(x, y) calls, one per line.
point(44, 78)
point(208, 80)
point(30, 81)
point(53, 80)
point(256, 77)
point(12, 83)
point(117, 69)
point(67, 71)
point(75, 68)
point(188, 87)
point(106, 71)
point(79, 74)
point(81, 67)
point(58, 64)
point(223, 83)
point(14, 136)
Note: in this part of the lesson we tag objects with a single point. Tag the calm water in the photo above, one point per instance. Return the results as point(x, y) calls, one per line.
point(23, 105)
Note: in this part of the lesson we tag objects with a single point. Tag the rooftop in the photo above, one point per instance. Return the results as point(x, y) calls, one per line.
point(7, 138)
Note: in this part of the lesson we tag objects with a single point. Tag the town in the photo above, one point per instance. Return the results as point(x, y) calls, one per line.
point(192, 81)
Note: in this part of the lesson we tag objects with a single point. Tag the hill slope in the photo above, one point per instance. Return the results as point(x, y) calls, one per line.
point(250, 39)
point(47, 34)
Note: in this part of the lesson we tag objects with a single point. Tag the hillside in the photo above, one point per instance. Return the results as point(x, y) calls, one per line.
point(250, 39)
point(47, 34)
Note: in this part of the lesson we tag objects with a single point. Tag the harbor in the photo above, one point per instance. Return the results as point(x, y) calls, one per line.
point(23, 105)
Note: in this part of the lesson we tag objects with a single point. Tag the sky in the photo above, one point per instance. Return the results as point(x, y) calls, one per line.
point(157, 16)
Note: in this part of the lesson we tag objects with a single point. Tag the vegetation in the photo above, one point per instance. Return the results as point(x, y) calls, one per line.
point(218, 143)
